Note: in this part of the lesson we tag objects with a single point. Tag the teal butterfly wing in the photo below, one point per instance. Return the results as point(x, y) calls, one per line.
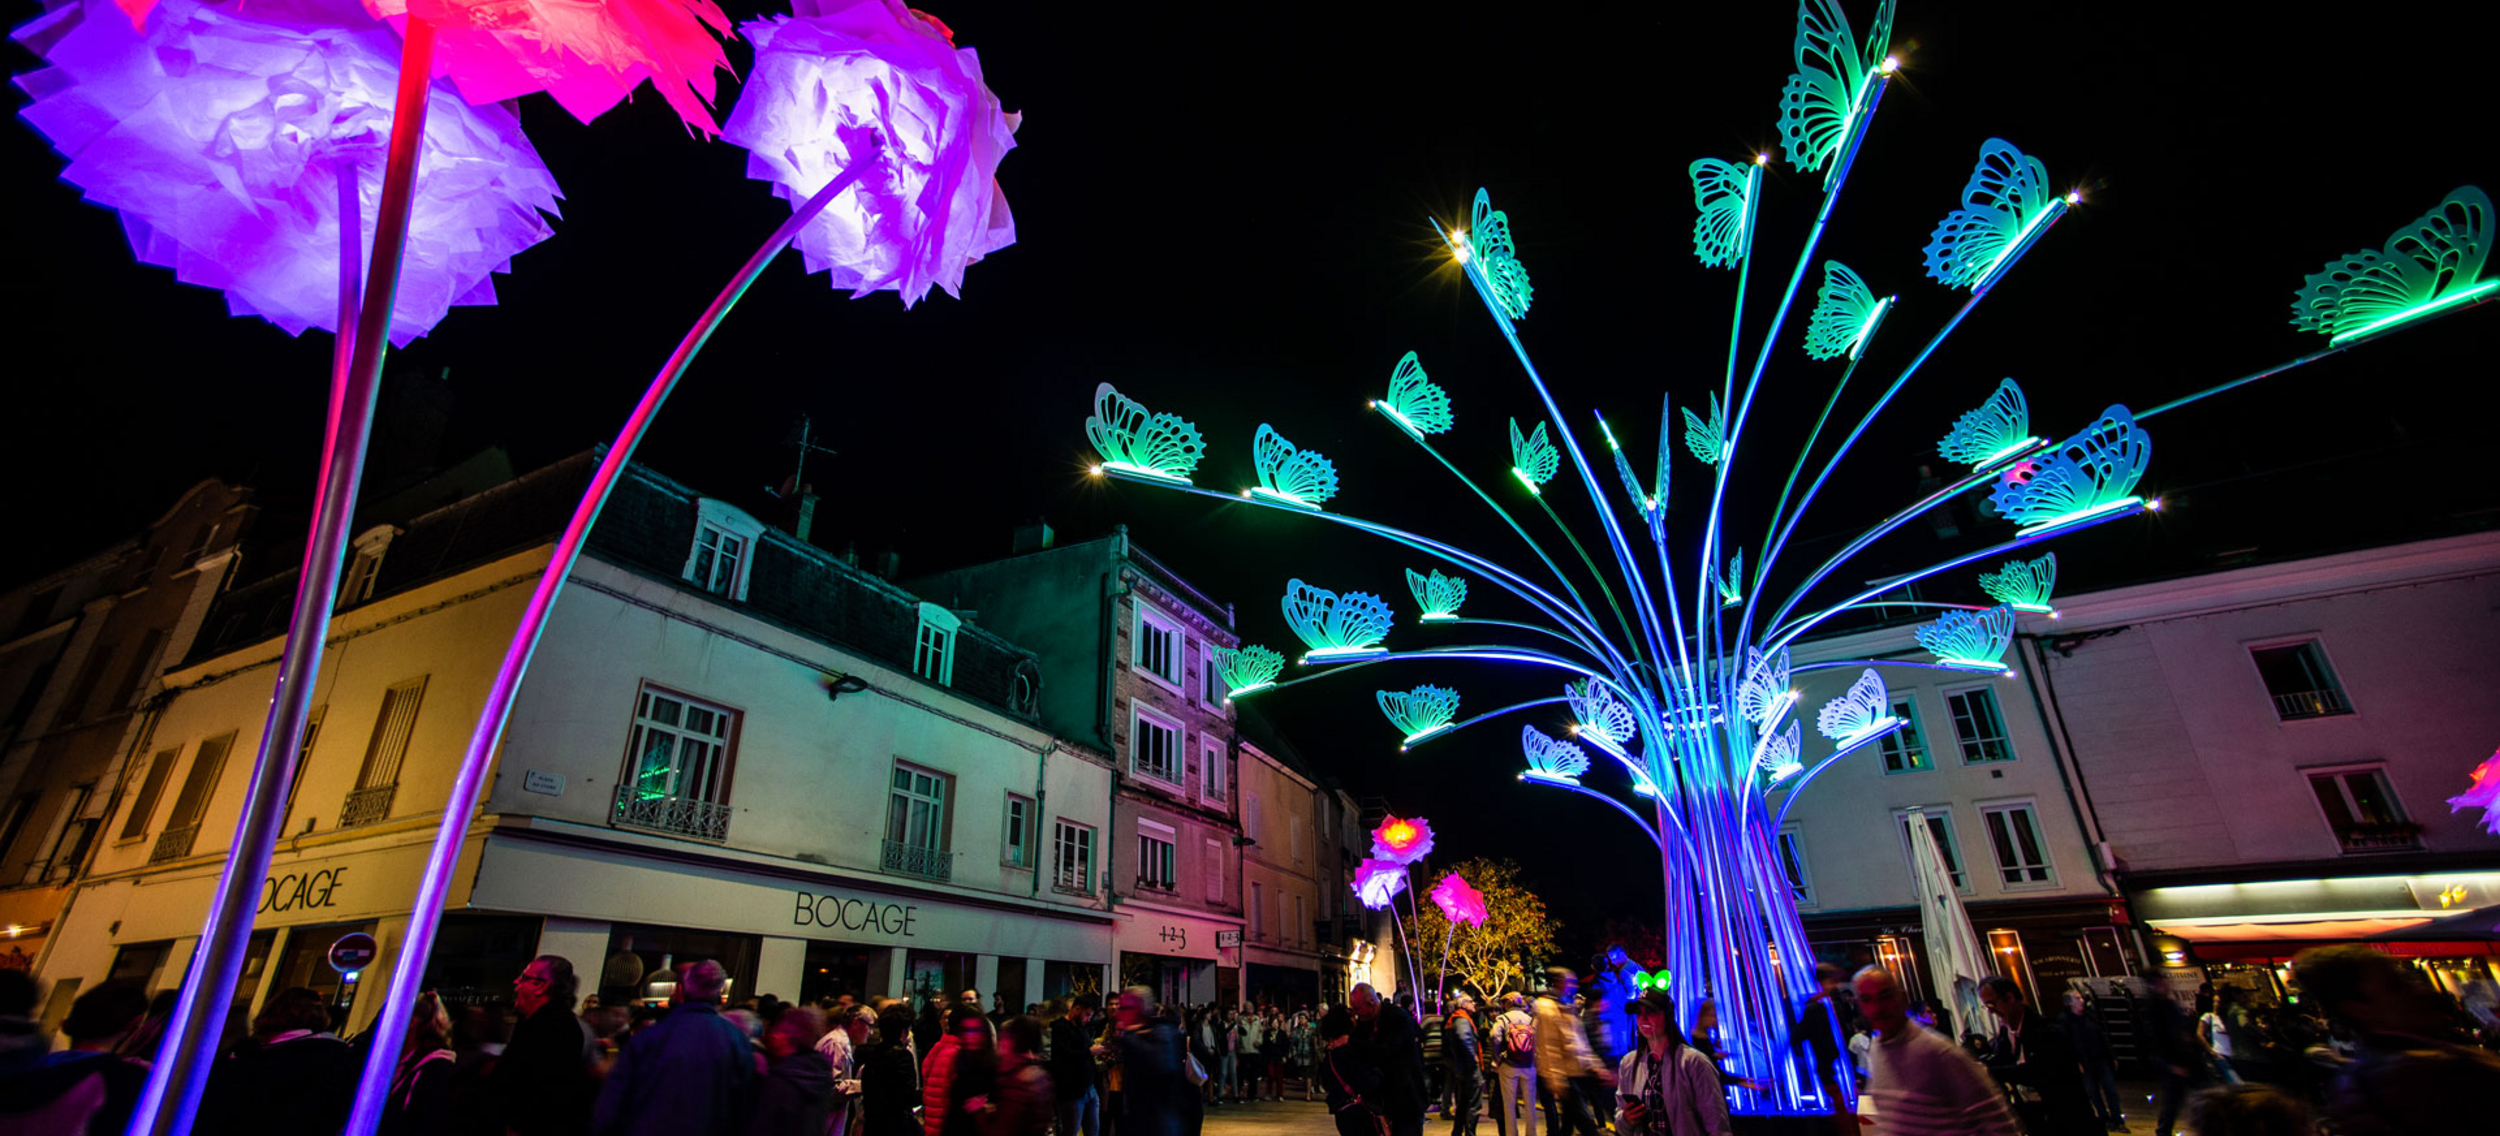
point(1359, 619)
point(1125, 432)
point(2022, 583)
point(1842, 310)
point(2435, 256)
point(2006, 194)
point(1720, 232)
point(1824, 96)
point(1705, 438)
point(1250, 666)
point(2091, 469)
point(1289, 471)
point(1999, 424)
point(1488, 240)
point(1533, 455)
point(1417, 399)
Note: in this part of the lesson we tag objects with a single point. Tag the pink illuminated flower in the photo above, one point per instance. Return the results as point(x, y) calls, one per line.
point(1402, 841)
point(1463, 904)
point(589, 54)
point(1376, 882)
point(848, 81)
point(220, 135)
point(2485, 794)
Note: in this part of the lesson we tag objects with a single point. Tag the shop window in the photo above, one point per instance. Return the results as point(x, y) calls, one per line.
point(2022, 857)
point(1214, 871)
point(1214, 778)
point(2299, 680)
point(917, 823)
point(933, 647)
point(643, 962)
point(1940, 827)
point(151, 787)
point(1979, 726)
point(724, 549)
point(1793, 862)
point(2361, 808)
point(1072, 854)
point(139, 962)
point(1016, 844)
point(377, 780)
point(1158, 648)
point(1155, 749)
point(182, 826)
point(1905, 749)
point(1154, 856)
point(678, 766)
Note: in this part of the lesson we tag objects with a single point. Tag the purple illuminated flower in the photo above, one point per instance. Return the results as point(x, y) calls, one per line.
point(1463, 904)
point(1376, 882)
point(847, 81)
point(1402, 841)
point(220, 135)
point(589, 54)
point(2485, 794)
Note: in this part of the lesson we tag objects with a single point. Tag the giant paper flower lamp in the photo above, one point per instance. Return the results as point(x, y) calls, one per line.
point(1376, 882)
point(220, 134)
point(1400, 841)
point(1458, 901)
point(2485, 794)
point(850, 81)
point(588, 54)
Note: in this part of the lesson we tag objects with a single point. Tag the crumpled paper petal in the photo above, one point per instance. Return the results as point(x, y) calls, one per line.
point(2484, 795)
point(830, 84)
point(219, 135)
point(1376, 882)
point(1402, 841)
point(1460, 901)
point(588, 54)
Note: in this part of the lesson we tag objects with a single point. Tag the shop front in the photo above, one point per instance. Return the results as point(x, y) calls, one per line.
point(2245, 934)
point(1186, 959)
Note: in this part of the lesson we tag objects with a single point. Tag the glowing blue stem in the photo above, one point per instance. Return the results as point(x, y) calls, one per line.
point(2244, 380)
point(1753, 594)
point(1844, 664)
point(1488, 715)
point(1647, 829)
point(1798, 789)
point(1604, 588)
point(1490, 651)
point(1541, 629)
point(1969, 481)
point(1499, 511)
point(1702, 591)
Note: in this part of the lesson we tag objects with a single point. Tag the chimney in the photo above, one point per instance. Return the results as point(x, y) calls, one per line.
point(1033, 536)
point(798, 506)
point(889, 564)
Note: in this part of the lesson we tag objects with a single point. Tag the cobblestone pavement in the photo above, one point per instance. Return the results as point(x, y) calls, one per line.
point(1295, 1117)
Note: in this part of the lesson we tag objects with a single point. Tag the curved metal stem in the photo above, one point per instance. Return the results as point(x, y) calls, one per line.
point(1604, 588)
point(1503, 513)
point(1647, 829)
point(1492, 652)
point(1969, 481)
point(1781, 821)
point(1455, 727)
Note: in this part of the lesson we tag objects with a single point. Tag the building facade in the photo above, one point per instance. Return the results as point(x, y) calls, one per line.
point(1282, 808)
point(731, 745)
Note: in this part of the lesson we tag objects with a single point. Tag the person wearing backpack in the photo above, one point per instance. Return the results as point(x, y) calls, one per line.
point(1515, 1069)
point(1667, 1088)
point(1460, 1047)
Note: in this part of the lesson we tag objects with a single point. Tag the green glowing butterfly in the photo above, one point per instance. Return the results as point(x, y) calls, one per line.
point(1333, 625)
point(1846, 313)
point(1488, 243)
point(1975, 639)
point(1247, 669)
point(1131, 440)
point(2007, 197)
point(1289, 474)
point(2001, 426)
point(2433, 263)
point(1533, 459)
point(2023, 585)
point(1421, 712)
point(1832, 84)
point(1731, 584)
point(1723, 192)
point(1417, 404)
point(1551, 758)
point(1706, 438)
point(1438, 594)
point(2094, 471)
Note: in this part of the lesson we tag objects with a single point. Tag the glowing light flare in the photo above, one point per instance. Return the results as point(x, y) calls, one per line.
point(1526, 480)
point(2022, 237)
point(1136, 472)
point(1866, 331)
point(1238, 691)
point(2415, 312)
point(2016, 450)
point(2105, 509)
point(1861, 734)
point(1296, 500)
point(1401, 421)
point(1340, 654)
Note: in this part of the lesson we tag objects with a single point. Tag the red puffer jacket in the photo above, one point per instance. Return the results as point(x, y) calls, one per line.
point(937, 1075)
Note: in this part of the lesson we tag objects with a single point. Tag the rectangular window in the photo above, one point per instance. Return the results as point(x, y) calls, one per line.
point(1979, 726)
point(2022, 857)
point(2299, 680)
point(1793, 862)
point(1301, 923)
point(182, 826)
point(361, 573)
point(1211, 684)
point(303, 758)
point(1154, 749)
point(1158, 649)
point(1258, 910)
point(1215, 871)
point(1294, 826)
point(1250, 814)
point(1016, 848)
point(1212, 763)
point(678, 766)
point(1905, 749)
point(933, 649)
point(76, 832)
point(1154, 856)
point(82, 688)
point(717, 555)
point(2361, 808)
point(918, 822)
point(152, 787)
point(1072, 851)
point(392, 728)
point(1939, 827)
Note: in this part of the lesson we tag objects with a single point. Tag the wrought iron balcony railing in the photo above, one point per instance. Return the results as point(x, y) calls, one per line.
point(2391, 836)
point(916, 860)
point(173, 843)
point(2311, 704)
point(366, 806)
point(677, 816)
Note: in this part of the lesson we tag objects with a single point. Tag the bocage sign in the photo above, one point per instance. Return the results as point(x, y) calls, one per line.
point(301, 891)
point(844, 913)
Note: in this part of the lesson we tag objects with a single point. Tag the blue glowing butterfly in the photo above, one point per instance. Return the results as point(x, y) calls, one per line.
point(1533, 458)
point(1132, 440)
point(2434, 262)
point(1600, 714)
point(1970, 638)
point(1438, 594)
point(1488, 244)
point(2007, 197)
point(1552, 759)
point(1846, 313)
point(1731, 583)
point(1780, 753)
point(1334, 625)
point(1996, 430)
point(1289, 474)
point(1419, 712)
point(1247, 668)
point(1764, 689)
point(1832, 83)
point(1854, 715)
point(2091, 472)
point(1706, 439)
point(1723, 192)
point(2023, 585)
point(1417, 404)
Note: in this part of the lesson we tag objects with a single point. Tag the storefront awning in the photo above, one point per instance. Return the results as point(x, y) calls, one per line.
point(2324, 930)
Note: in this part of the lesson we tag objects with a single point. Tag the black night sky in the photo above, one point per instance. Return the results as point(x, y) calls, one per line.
point(1221, 209)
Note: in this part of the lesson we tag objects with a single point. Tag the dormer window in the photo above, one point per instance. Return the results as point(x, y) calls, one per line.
point(724, 549)
point(933, 650)
point(366, 565)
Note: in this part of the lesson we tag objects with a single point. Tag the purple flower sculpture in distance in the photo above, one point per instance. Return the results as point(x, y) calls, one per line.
point(220, 135)
point(846, 81)
point(1376, 882)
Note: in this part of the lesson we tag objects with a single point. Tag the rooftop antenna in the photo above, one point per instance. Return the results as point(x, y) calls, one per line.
point(793, 492)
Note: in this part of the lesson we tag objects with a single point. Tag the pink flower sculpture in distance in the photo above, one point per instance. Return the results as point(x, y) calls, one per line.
point(219, 135)
point(846, 81)
point(2484, 795)
point(1402, 841)
point(1463, 904)
point(588, 54)
point(1376, 882)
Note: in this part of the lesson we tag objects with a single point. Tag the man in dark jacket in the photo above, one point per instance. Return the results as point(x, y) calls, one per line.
point(1153, 1094)
point(889, 1083)
point(693, 1074)
point(87, 1088)
point(541, 1085)
point(2036, 1058)
point(797, 1097)
point(300, 1080)
point(1072, 1068)
point(1388, 1033)
point(1464, 1054)
point(2100, 1074)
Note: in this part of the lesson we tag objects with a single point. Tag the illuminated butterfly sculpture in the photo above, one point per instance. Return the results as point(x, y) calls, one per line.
point(1677, 657)
point(1247, 668)
point(1294, 476)
point(1133, 441)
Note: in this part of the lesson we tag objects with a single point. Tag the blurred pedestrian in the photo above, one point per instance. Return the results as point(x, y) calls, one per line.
point(22, 1042)
point(889, 1082)
point(1564, 1063)
point(300, 1080)
point(690, 1074)
point(1514, 1070)
point(1020, 1101)
point(1463, 1054)
point(1346, 1074)
point(797, 1094)
point(2100, 1073)
point(2038, 1062)
point(1667, 1088)
point(1394, 1047)
point(1920, 1083)
point(1079, 1107)
point(89, 1088)
point(541, 1084)
point(2408, 1074)
point(420, 1101)
point(1822, 1028)
point(1154, 1097)
point(2248, 1110)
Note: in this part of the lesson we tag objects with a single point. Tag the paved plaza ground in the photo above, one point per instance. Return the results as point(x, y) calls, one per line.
point(1295, 1118)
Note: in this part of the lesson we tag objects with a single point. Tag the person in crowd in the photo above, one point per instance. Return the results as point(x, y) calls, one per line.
point(1514, 1073)
point(1922, 1084)
point(2038, 1062)
point(541, 1085)
point(2180, 1055)
point(929, 1027)
point(89, 1088)
point(1428, 1029)
point(22, 1042)
point(420, 1103)
point(2215, 1032)
point(838, 1046)
point(1394, 1050)
point(796, 1098)
point(1598, 1014)
point(1246, 1055)
point(889, 1081)
point(1272, 1047)
point(1305, 1052)
point(2408, 1073)
point(479, 1036)
point(1079, 1107)
point(1228, 1051)
point(1861, 1049)
point(1564, 1063)
point(1823, 1030)
point(2100, 1074)
point(941, 1092)
point(143, 1041)
point(1347, 1076)
point(692, 1074)
point(1198, 1029)
point(1147, 1051)
point(2248, 1110)
point(299, 1081)
point(1021, 1101)
point(1667, 1088)
point(1463, 1054)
